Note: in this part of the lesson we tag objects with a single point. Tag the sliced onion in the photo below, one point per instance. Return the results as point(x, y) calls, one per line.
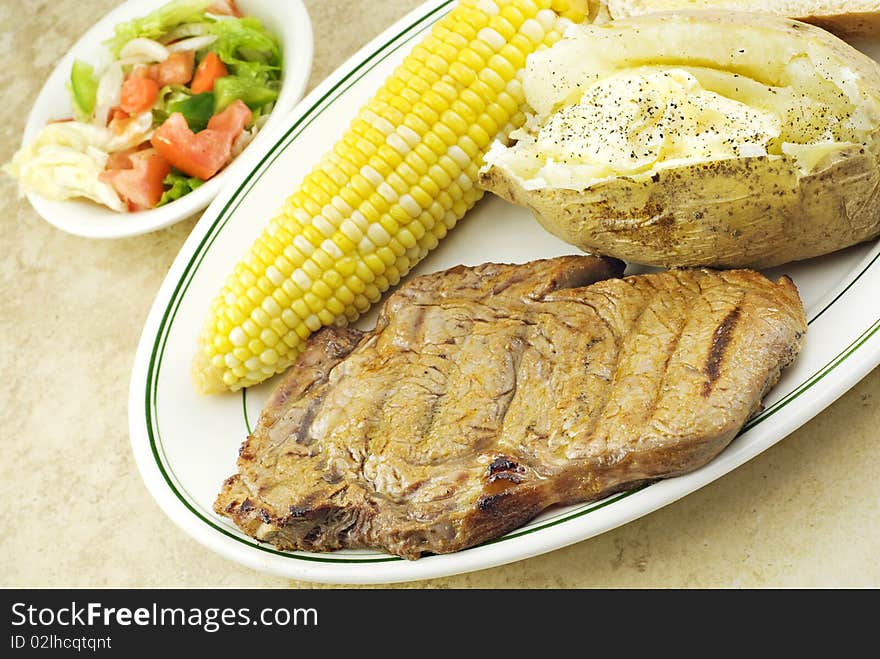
point(263, 118)
point(135, 130)
point(132, 61)
point(109, 93)
point(144, 51)
point(241, 142)
point(185, 30)
point(193, 43)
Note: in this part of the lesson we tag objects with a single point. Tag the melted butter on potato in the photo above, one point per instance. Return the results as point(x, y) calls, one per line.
point(698, 138)
point(635, 121)
point(603, 109)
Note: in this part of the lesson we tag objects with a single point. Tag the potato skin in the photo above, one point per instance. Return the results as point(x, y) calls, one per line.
point(847, 25)
point(756, 212)
point(743, 212)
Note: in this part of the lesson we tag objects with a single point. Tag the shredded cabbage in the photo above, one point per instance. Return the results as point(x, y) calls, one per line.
point(247, 48)
point(79, 135)
point(185, 30)
point(155, 24)
point(61, 172)
point(66, 159)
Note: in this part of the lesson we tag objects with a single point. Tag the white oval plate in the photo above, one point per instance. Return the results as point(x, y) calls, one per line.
point(186, 444)
point(289, 21)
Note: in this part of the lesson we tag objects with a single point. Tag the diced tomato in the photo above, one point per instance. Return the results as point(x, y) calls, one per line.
point(200, 154)
point(205, 153)
point(226, 7)
point(177, 69)
point(120, 159)
point(139, 184)
point(144, 71)
point(120, 121)
point(208, 70)
point(138, 94)
point(232, 120)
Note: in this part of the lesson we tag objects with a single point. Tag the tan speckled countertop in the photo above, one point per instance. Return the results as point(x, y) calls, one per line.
point(75, 513)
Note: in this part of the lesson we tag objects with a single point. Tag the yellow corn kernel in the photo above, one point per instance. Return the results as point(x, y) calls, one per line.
point(388, 191)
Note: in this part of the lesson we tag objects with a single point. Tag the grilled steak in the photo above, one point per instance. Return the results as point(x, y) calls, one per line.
point(485, 395)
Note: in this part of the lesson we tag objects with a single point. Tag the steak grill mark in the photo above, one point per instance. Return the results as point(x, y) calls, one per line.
point(485, 395)
point(720, 340)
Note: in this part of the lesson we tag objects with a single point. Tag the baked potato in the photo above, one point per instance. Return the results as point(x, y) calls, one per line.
point(698, 138)
point(843, 17)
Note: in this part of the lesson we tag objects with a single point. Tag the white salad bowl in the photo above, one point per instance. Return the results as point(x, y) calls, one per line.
point(288, 20)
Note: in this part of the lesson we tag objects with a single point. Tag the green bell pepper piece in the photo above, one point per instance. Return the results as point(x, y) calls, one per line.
point(196, 109)
point(253, 93)
point(83, 87)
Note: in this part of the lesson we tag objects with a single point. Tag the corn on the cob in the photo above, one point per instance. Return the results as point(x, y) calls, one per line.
point(388, 191)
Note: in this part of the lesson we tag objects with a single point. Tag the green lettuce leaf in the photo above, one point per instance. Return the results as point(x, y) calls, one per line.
point(247, 49)
point(181, 185)
point(167, 95)
point(155, 24)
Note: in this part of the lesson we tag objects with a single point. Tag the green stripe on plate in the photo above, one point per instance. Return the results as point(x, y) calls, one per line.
point(182, 286)
point(327, 99)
